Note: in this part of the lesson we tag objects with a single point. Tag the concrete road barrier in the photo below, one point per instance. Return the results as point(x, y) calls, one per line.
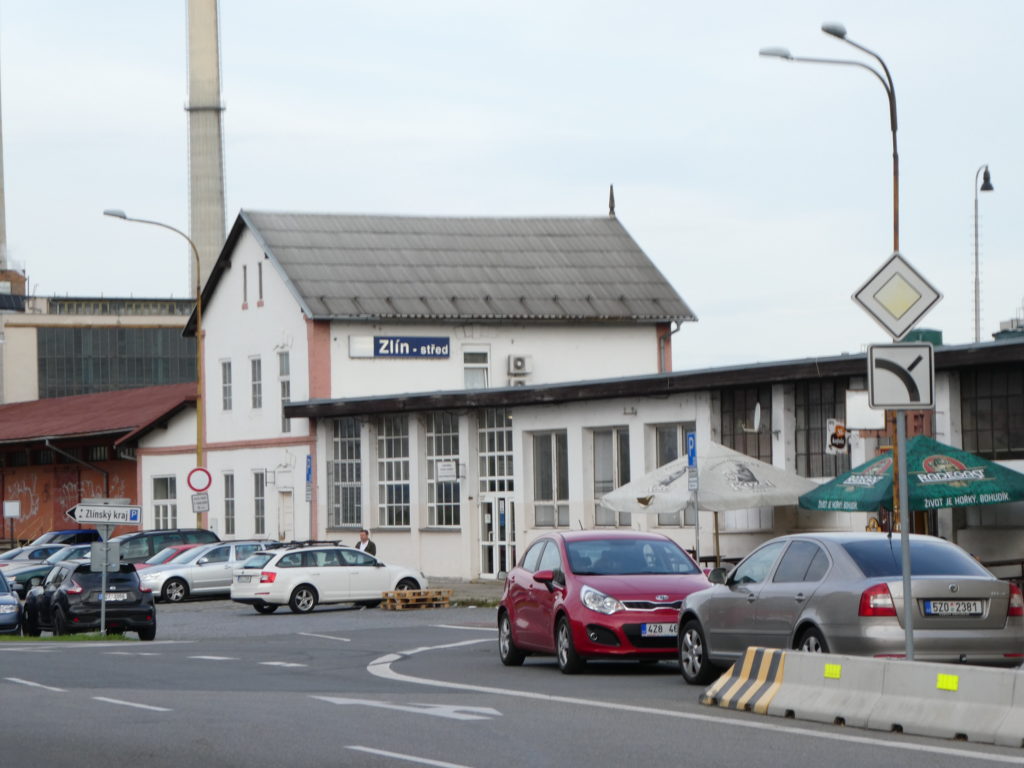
point(828, 688)
point(750, 683)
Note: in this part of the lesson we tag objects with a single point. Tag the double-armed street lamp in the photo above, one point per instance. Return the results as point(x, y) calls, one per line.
point(200, 422)
point(986, 186)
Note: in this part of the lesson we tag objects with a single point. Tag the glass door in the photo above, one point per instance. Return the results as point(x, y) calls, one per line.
point(497, 535)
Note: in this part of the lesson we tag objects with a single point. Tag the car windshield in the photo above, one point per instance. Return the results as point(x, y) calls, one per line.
point(600, 557)
point(11, 553)
point(881, 558)
point(4, 588)
point(126, 576)
point(189, 555)
point(258, 560)
point(163, 555)
point(68, 552)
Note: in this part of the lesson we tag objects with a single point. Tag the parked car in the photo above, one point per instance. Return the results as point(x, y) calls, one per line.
point(165, 555)
point(30, 553)
point(69, 601)
point(596, 594)
point(30, 574)
point(843, 593)
point(206, 569)
point(10, 609)
point(304, 577)
point(139, 546)
point(69, 536)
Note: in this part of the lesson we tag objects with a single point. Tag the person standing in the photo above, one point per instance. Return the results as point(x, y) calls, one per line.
point(365, 545)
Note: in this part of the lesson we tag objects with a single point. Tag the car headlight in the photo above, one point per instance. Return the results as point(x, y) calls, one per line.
point(8, 608)
point(599, 601)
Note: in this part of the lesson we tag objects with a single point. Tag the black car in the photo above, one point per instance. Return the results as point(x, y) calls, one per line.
point(139, 546)
point(69, 601)
point(30, 573)
point(10, 609)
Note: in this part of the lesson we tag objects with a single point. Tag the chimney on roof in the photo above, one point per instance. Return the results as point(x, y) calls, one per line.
point(611, 199)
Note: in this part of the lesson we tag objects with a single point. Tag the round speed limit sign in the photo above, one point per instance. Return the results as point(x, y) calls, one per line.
point(199, 479)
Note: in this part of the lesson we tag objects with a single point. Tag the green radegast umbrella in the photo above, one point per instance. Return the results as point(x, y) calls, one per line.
point(937, 476)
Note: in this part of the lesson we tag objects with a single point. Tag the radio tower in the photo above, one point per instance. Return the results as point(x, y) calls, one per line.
point(205, 148)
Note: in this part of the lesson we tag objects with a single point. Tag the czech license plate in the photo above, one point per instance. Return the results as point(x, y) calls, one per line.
point(953, 607)
point(659, 630)
point(113, 597)
point(243, 578)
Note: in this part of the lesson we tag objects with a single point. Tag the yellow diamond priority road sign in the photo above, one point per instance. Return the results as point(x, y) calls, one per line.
point(897, 296)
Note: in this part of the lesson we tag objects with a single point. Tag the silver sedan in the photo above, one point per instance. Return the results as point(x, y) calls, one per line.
point(843, 593)
point(203, 570)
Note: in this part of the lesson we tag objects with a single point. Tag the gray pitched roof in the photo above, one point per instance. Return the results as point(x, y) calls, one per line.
point(485, 269)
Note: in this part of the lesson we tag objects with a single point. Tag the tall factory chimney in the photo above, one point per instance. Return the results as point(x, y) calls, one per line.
point(205, 148)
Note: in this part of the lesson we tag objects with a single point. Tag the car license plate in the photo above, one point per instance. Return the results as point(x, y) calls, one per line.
point(953, 608)
point(113, 597)
point(243, 578)
point(659, 630)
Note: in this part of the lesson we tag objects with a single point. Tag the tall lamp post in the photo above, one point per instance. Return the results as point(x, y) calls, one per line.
point(200, 422)
point(899, 453)
point(986, 186)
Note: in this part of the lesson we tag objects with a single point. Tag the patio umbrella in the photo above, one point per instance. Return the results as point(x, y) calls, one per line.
point(938, 476)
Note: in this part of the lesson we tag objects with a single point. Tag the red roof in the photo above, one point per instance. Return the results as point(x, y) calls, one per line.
point(126, 411)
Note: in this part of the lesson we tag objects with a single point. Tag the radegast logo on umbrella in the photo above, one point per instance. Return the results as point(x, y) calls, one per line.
point(870, 476)
point(945, 469)
point(742, 478)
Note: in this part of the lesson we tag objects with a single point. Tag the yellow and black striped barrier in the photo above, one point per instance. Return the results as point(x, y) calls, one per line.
point(750, 684)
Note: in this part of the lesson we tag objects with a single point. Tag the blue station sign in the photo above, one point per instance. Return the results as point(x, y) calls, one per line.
point(411, 346)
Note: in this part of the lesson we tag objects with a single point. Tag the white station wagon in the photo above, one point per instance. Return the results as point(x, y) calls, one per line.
point(305, 577)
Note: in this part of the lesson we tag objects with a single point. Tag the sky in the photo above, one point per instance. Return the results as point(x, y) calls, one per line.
point(762, 189)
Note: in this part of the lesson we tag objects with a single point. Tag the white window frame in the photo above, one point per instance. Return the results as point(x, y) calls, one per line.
point(229, 503)
point(394, 509)
point(225, 384)
point(608, 448)
point(259, 502)
point(441, 430)
point(165, 502)
point(553, 512)
point(345, 473)
point(256, 379)
point(476, 374)
point(284, 376)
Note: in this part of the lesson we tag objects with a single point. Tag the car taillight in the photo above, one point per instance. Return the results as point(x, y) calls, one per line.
point(1016, 606)
point(74, 589)
point(144, 588)
point(876, 601)
point(267, 577)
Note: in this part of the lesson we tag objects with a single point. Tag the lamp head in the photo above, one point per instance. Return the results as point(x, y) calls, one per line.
point(835, 29)
point(116, 213)
point(986, 181)
point(777, 52)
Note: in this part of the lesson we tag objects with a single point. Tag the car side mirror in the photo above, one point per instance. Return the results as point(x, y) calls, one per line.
point(545, 577)
point(718, 575)
point(202, 561)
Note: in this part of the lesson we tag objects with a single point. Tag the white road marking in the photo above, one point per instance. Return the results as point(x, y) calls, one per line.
point(23, 649)
point(30, 684)
point(131, 653)
point(452, 712)
point(215, 658)
point(280, 664)
point(409, 758)
point(381, 667)
point(131, 704)
point(474, 629)
point(327, 637)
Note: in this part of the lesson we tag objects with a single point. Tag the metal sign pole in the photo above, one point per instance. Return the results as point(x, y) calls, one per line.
point(905, 518)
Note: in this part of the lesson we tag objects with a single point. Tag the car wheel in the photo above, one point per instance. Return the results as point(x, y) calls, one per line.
point(60, 624)
point(148, 633)
point(303, 599)
point(693, 655)
point(174, 591)
point(264, 607)
point(510, 655)
point(812, 641)
point(569, 661)
point(408, 584)
point(29, 625)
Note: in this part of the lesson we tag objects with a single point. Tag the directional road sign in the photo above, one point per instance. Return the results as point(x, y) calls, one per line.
point(901, 376)
point(97, 513)
point(897, 296)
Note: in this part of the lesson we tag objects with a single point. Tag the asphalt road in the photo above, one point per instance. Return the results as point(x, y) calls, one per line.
point(223, 686)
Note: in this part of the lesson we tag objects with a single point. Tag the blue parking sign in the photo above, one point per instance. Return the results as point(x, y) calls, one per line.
point(691, 448)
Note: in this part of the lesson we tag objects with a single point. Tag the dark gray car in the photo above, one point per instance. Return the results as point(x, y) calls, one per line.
point(843, 593)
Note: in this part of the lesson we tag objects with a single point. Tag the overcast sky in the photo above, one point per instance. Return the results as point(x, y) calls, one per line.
point(762, 189)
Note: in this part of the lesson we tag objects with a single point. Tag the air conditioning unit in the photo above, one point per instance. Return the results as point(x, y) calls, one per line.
point(520, 365)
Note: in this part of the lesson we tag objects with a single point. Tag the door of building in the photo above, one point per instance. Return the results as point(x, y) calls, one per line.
point(497, 534)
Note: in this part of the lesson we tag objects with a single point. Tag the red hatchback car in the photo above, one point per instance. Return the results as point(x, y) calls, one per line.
point(596, 594)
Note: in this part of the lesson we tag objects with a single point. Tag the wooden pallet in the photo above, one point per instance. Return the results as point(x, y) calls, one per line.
point(405, 599)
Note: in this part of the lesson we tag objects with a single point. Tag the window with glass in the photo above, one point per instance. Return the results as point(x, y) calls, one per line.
point(165, 502)
point(611, 469)
point(737, 408)
point(229, 503)
point(259, 501)
point(344, 473)
point(259, 280)
point(816, 402)
point(669, 445)
point(225, 384)
point(551, 479)
point(284, 375)
point(442, 438)
point(476, 367)
point(393, 506)
point(494, 450)
point(992, 411)
point(256, 377)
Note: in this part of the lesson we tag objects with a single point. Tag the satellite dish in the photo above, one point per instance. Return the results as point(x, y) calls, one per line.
point(757, 420)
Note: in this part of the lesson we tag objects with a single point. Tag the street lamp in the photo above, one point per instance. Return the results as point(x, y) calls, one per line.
point(900, 451)
point(986, 186)
point(200, 423)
